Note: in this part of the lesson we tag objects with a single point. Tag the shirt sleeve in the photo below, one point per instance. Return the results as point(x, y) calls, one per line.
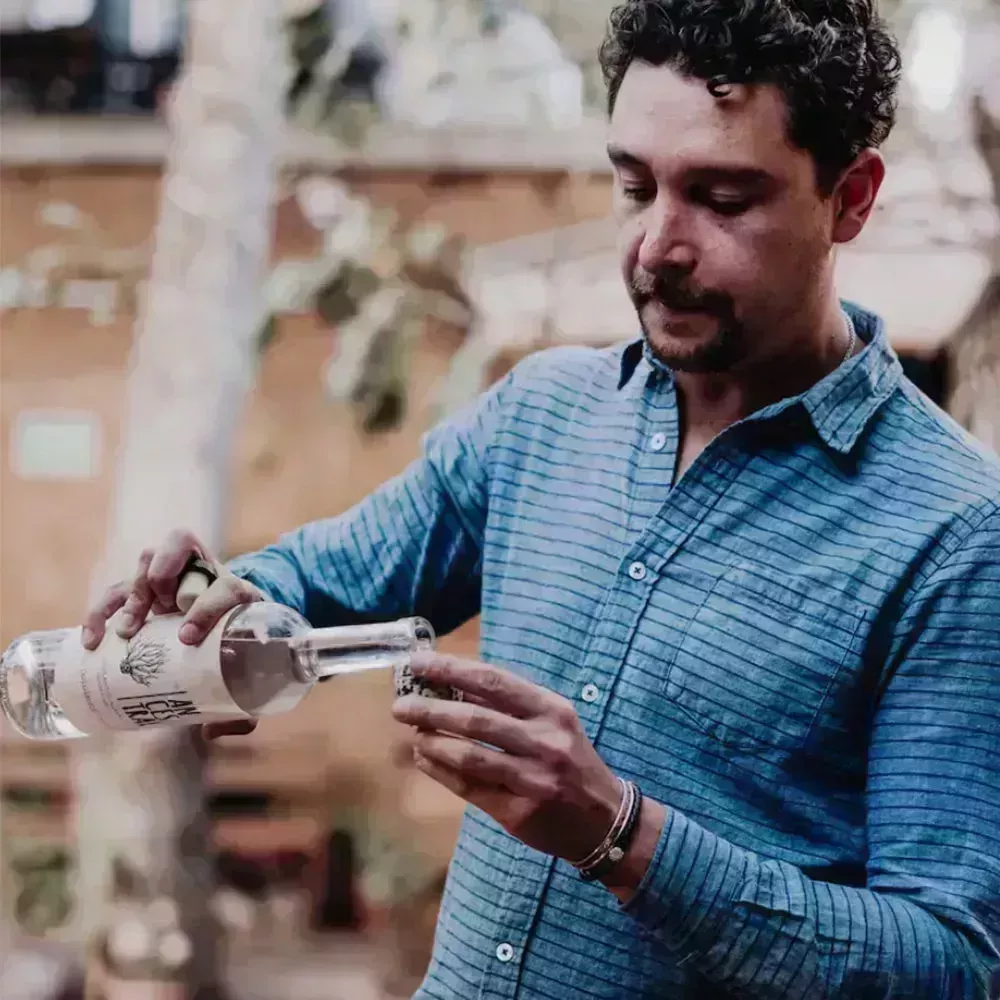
point(927, 924)
point(413, 547)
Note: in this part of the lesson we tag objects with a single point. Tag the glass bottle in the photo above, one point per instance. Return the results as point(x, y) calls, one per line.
point(261, 659)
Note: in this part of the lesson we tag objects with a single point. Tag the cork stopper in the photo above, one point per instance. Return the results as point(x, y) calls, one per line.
point(197, 576)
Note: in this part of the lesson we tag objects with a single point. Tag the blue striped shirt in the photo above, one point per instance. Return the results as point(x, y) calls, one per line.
point(796, 649)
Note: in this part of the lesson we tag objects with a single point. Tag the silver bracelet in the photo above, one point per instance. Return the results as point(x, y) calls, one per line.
point(624, 808)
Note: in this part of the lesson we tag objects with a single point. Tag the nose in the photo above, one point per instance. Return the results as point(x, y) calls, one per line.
point(667, 239)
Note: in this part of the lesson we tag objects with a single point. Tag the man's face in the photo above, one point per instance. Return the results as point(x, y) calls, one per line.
point(725, 239)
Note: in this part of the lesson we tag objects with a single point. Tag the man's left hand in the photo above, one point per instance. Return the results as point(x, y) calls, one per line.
point(538, 775)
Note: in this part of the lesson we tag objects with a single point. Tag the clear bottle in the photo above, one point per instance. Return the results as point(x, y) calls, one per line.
point(261, 659)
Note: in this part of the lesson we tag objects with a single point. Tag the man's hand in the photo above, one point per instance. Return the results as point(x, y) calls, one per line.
point(153, 590)
point(539, 776)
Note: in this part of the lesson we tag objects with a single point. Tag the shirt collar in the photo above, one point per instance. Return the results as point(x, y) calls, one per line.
point(841, 405)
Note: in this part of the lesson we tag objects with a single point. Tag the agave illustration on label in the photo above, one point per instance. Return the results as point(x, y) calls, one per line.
point(143, 660)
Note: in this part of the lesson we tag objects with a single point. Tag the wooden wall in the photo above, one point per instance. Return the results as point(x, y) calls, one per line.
point(298, 457)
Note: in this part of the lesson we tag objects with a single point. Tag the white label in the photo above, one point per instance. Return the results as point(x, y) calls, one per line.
point(152, 679)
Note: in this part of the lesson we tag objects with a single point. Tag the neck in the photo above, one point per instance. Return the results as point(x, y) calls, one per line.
point(810, 350)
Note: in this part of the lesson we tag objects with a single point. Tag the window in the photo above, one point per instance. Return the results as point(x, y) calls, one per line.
point(56, 444)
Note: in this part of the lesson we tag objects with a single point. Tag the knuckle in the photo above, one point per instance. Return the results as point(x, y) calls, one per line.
point(476, 718)
point(419, 713)
point(114, 597)
point(156, 578)
point(181, 538)
point(493, 682)
point(471, 757)
point(548, 788)
point(200, 617)
point(558, 749)
point(445, 661)
point(242, 591)
point(564, 712)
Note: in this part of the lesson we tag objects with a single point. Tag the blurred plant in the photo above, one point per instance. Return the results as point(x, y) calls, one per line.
point(376, 280)
point(391, 873)
point(334, 72)
point(42, 895)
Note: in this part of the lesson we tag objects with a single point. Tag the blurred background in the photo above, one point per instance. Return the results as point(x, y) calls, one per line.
point(249, 253)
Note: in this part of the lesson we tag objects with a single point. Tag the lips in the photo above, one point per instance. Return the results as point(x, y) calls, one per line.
point(673, 308)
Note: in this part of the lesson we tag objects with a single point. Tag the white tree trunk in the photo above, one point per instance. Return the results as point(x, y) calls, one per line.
point(975, 346)
point(141, 803)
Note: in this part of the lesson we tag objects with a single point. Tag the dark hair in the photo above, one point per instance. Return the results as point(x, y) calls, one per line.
point(835, 62)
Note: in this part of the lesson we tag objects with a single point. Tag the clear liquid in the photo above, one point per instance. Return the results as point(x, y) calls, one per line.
point(26, 680)
point(262, 677)
point(269, 660)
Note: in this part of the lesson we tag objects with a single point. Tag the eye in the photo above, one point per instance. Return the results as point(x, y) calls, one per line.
point(637, 192)
point(728, 206)
point(722, 202)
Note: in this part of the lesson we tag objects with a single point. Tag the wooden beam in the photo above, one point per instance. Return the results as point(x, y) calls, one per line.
point(111, 141)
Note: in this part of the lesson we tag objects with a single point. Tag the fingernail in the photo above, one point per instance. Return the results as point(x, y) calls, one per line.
point(88, 636)
point(188, 633)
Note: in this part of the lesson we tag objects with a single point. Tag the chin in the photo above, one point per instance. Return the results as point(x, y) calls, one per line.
point(692, 349)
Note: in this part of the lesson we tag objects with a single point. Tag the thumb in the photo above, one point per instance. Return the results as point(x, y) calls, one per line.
point(226, 593)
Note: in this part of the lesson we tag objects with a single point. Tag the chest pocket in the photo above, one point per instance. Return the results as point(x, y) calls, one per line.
point(760, 658)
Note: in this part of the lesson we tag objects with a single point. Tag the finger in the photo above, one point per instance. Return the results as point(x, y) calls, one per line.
point(159, 609)
point(96, 620)
point(453, 782)
point(496, 686)
point(168, 562)
point(140, 599)
point(479, 765)
point(475, 722)
point(236, 727)
point(225, 594)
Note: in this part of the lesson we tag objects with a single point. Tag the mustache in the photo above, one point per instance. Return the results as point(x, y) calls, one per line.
point(674, 291)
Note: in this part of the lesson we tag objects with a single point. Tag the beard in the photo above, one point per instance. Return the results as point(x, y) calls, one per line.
point(719, 353)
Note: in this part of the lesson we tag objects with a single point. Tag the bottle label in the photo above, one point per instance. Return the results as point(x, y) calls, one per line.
point(152, 679)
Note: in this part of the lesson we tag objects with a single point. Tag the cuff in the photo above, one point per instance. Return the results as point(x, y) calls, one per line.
point(691, 882)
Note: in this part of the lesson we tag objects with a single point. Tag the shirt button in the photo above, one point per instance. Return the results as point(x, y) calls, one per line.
point(505, 952)
point(657, 442)
point(637, 571)
point(590, 693)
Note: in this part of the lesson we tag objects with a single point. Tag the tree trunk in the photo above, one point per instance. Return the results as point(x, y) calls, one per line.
point(974, 350)
point(145, 873)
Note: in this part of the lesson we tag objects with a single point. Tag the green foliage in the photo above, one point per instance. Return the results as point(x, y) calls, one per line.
point(318, 99)
point(42, 897)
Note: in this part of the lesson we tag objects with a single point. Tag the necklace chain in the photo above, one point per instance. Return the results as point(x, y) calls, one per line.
point(852, 339)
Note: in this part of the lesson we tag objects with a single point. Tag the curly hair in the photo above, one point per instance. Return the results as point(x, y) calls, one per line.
point(834, 61)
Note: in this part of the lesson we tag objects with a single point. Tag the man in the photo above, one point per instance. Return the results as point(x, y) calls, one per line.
point(739, 580)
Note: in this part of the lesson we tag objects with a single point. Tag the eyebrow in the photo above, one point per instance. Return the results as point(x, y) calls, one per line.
point(707, 173)
point(622, 158)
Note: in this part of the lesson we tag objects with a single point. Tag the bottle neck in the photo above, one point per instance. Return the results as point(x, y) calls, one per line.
point(321, 653)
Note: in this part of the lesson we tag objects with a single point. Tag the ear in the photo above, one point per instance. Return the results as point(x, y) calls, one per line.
point(855, 194)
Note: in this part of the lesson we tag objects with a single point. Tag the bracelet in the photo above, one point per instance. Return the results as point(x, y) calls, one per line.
point(612, 849)
point(605, 845)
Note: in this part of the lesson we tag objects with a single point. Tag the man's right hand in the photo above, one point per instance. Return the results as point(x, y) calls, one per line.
point(153, 590)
